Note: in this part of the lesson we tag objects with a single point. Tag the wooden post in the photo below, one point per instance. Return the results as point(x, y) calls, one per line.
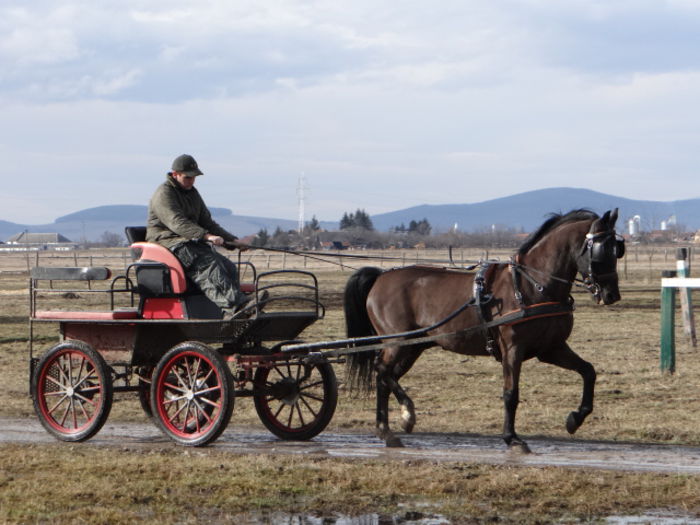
point(668, 339)
point(683, 270)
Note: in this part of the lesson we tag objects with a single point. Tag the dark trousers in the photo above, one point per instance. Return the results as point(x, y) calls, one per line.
point(215, 275)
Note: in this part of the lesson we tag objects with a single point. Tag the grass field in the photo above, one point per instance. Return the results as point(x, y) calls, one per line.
point(634, 402)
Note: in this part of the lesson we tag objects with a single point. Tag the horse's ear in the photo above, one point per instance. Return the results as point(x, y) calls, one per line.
point(613, 217)
point(605, 218)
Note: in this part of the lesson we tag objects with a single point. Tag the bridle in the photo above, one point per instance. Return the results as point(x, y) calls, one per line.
point(596, 259)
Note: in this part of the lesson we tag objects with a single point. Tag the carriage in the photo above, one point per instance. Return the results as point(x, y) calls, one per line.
point(163, 340)
point(511, 311)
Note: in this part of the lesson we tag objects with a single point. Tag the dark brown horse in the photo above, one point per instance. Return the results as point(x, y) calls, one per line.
point(513, 311)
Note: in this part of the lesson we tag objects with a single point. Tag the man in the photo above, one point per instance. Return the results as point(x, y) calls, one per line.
point(179, 220)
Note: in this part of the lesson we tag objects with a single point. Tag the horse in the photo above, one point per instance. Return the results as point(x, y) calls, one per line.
point(512, 311)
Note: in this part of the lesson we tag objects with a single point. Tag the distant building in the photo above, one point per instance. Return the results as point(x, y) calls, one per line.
point(26, 241)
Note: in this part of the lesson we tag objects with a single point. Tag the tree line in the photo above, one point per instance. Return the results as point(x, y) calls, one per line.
point(356, 230)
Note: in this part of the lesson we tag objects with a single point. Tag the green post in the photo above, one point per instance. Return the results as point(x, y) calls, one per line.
point(668, 339)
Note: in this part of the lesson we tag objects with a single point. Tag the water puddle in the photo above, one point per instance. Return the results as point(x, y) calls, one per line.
point(655, 518)
point(280, 518)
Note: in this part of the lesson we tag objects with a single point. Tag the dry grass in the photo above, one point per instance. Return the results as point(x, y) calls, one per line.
point(634, 402)
point(69, 484)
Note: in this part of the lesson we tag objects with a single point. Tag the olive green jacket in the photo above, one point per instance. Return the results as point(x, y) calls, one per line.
point(176, 215)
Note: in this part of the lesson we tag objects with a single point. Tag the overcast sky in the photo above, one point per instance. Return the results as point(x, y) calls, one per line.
point(380, 105)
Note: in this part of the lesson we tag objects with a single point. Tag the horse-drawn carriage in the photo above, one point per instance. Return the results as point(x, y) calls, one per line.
point(162, 348)
point(164, 340)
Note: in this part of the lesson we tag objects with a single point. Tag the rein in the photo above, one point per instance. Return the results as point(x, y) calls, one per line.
point(375, 342)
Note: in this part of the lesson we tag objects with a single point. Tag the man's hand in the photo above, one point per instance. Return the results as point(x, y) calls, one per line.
point(216, 240)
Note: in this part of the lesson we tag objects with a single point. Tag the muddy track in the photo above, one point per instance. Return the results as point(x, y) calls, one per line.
point(468, 448)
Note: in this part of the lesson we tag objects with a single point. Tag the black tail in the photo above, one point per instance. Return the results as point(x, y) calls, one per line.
point(359, 365)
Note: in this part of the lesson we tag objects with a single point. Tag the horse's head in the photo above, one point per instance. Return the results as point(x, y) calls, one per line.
point(597, 259)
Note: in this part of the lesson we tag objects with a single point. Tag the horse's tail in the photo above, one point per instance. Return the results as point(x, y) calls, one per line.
point(359, 365)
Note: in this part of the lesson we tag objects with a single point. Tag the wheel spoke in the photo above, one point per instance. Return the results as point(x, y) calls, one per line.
point(301, 416)
point(209, 402)
point(177, 412)
point(176, 388)
point(289, 419)
point(86, 400)
point(58, 403)
point(188, 372)
point(60, 366)
point(303, 399)
point(195, 372)
point(178, 375)
point(55, 382)
point(311, 385)
point(311, 396)
point(74, 413)
point(173, 400)
point(203, 412)
point(82, 409)
point(279, 410)
point(207, 390)
point(90, 375)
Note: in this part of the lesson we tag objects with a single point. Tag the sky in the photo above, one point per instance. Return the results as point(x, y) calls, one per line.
point(370, 104)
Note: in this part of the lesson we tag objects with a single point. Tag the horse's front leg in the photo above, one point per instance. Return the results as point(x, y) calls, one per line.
point(512, 364)
point(565, 357)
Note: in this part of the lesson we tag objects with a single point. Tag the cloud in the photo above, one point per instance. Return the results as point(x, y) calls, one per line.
point(381, 105)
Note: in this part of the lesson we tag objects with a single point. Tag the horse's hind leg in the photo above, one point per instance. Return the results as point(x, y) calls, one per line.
point(408, 410)
point(392, 364)
point(383, 430)
point(565, 357)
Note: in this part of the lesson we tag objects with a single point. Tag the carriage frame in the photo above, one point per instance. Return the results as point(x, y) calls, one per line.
point(165, 341)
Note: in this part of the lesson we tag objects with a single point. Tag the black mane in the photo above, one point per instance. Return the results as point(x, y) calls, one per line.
point(554, 220)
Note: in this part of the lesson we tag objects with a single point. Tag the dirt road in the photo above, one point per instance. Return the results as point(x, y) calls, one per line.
point(421, 446)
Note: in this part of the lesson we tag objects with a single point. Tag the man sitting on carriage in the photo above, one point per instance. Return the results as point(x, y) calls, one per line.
point(179, 220)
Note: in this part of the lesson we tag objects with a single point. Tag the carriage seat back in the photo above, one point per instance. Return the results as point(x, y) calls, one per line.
point(158, 271)
point(162, 283)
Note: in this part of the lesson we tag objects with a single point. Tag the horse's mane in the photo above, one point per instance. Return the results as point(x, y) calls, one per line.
point(554, 220)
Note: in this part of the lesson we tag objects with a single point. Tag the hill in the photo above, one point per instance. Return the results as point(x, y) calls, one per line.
point(91, 223)
point(526, 211)
point(523, 211)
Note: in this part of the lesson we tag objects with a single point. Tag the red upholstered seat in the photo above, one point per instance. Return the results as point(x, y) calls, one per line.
point(155, 252)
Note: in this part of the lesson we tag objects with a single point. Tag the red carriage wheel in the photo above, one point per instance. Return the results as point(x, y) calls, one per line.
point(72, 391)
point(295, 401)
point(192, 394)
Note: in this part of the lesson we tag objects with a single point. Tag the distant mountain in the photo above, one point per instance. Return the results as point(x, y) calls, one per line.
point(124, 211)
point(523, 211)
point(528, 210)
point(91, 223)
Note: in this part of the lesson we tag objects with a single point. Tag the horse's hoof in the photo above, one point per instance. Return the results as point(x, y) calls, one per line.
point(519, 447)
point(407, 426)
point(572, 423)
point(393, 442)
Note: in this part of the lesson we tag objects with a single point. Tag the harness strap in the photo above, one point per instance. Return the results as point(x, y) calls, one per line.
point(528, 313)
point(481, 300)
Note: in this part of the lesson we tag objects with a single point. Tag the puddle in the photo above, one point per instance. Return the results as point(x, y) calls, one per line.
point(280, 518)
point(655, 518)
point(420, 446)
